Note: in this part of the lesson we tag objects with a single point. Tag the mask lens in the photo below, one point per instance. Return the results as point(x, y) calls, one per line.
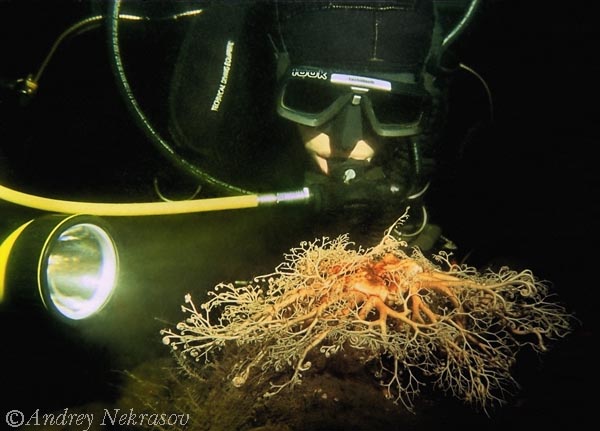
point(397, 108)
point(309, 96)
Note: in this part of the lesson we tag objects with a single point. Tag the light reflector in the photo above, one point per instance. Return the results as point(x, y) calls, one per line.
point(79, 270)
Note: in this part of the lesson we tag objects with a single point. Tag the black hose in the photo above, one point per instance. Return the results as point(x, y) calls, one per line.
point(462, 25)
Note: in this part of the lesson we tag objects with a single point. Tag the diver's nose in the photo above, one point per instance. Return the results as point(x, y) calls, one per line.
point(347, 128)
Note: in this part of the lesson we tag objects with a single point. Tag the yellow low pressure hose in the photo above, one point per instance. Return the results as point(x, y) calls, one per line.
point(151, 208)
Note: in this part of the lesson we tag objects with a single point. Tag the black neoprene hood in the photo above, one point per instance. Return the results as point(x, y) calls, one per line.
point(389, 36)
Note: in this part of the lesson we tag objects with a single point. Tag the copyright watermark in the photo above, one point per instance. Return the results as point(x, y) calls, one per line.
point(108, 417)
point(15, 418)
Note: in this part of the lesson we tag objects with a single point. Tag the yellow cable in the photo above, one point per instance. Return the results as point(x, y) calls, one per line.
point(127, 209)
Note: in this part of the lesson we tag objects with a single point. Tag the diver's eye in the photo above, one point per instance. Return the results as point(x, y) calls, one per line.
point(390, 108)
point(310, 96)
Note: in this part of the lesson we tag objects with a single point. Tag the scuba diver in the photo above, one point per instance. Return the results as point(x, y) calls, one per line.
point(342, 102)
point(366, 104)
point(360, 85)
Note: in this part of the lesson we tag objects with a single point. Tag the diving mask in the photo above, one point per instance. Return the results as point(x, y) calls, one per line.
point(393, 106)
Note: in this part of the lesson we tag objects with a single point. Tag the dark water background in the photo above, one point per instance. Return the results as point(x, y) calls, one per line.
point(525, 191)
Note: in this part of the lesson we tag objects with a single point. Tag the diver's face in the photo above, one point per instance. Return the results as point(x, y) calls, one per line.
point(322, 149)
point(343, 117)
point(345, 140)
